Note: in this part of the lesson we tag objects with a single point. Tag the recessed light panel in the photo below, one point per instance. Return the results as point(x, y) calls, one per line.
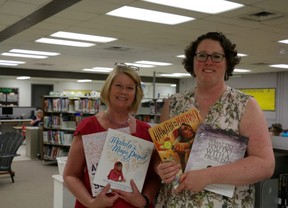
point(24, 55)
point(205, 6)
point(64, 42)
point(242, 70)
point(85, 37)
point(283, 41)
point(153, 63)
point(149, 15)
point(44, 53)
point(282, 66)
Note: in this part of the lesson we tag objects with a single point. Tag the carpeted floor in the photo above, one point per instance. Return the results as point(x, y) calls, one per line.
point(33, 186)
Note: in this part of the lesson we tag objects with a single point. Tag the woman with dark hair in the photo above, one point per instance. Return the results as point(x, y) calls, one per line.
point(276, 129)
point(211, 59)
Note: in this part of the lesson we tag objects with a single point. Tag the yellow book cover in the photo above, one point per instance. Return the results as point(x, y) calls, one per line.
point(173, 138)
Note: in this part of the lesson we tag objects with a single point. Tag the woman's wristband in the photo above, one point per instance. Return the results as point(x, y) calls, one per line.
point(147, 201)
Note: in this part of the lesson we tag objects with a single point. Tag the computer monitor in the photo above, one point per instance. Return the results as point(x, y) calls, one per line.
point(7, 111)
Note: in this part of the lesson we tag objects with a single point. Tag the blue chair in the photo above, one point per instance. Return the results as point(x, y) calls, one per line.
point(9, 144)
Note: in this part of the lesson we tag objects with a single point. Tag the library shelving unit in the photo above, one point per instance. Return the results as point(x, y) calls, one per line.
point(150, 111)
point(61, 116)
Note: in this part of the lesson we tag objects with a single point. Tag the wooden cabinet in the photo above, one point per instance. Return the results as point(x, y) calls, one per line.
point(61, 116)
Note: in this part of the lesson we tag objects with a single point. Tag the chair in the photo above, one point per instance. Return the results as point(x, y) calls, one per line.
point(9, 144)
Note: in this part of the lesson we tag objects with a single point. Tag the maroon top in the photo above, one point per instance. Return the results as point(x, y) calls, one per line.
point(91, 125)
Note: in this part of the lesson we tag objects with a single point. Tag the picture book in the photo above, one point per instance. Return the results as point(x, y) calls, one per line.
point(214, 147)
point(93, 145)
point(124, 157)
point(173, 138)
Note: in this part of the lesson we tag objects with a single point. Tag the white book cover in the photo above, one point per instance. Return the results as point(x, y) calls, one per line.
point(93, 145)
point(124, 157)
point(215, 147)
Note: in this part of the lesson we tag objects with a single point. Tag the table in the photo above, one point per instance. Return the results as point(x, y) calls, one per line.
point(9, 124)
point(62, 197)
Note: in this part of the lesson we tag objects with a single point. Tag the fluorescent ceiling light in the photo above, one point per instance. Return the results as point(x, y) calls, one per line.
point(12, 62)
point(173, 85)
point(99, 69)
point(64, 42)
point(181, 56)
point(242, 54)
point(84, 80)
point(23, 77)
point(282, 66)
point(140, 65)
point(283, 41)
point(176, 75)
point(205, 6)
point(153, 63)
point(242, 70)
point(8, 64)
point(149, 15)
point(24, 55)
point(44, 53)
point(85, 37)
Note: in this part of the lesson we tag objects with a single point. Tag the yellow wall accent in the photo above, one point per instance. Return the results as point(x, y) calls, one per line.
point(266, 97)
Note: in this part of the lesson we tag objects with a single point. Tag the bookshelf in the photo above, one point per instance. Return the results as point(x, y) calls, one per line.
point(268, 192)
point(150, 110)
point(61, 116)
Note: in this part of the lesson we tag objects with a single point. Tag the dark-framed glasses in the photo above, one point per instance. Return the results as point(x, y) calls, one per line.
point(215, 57)
point(119, 64)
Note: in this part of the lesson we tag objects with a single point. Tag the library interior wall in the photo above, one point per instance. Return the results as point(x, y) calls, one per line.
point(277, 80)
point(24, 86)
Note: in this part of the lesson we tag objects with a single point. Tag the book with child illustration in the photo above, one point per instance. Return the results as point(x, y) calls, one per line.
point(173, 138)
point(215, 147)
point(124, 157)
point(93, 145)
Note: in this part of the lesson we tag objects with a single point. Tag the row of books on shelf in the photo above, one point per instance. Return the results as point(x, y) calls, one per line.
point(52, 152)
point(63, 121)
point(86, 105)
point(57, 137)
point(148, 118)
point(283, 190)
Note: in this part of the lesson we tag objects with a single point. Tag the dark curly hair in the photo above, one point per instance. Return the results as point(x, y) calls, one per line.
point(229, 49)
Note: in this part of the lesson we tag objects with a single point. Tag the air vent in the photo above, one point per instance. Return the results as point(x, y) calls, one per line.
point(43, 64)
point(262, 16)
point(261, 64)
point(117, 48)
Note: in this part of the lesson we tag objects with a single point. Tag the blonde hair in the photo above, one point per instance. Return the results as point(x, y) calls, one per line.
point(130, 72)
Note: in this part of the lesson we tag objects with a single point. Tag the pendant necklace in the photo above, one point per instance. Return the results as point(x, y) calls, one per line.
point(125, 124)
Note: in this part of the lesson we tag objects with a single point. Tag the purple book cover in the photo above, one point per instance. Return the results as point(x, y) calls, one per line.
point(215, 147)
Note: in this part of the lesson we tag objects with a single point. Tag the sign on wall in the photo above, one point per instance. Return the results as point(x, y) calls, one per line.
point(266, 97)
point(9, 96)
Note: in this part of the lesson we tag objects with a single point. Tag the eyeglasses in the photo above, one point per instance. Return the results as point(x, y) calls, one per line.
point(215, 57)
point(135, 68)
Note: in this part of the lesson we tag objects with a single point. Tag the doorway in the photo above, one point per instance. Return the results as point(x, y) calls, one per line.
point(38, 91)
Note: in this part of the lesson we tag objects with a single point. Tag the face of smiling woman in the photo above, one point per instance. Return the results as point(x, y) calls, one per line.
point(122, 91)
point(209, 71)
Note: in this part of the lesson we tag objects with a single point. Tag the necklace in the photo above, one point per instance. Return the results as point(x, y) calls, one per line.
point(125, 124)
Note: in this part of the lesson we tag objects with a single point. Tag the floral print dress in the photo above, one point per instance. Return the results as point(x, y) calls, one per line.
point(226, 114)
